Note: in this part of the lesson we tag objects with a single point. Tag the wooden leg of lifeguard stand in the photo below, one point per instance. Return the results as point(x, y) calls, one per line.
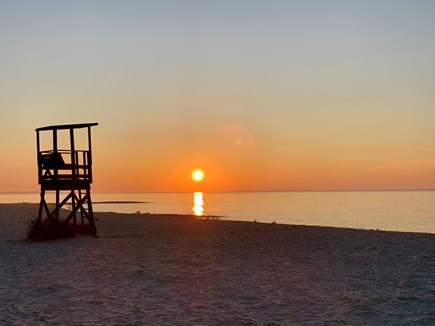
point(57, 209)
point(90, 211)
point(73, 206)
point(81, 208)
point(41, 205)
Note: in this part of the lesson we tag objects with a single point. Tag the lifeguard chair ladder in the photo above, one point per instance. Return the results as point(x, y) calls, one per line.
point(67, 172)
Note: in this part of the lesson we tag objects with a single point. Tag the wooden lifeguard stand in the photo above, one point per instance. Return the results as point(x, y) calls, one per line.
point(67, 172)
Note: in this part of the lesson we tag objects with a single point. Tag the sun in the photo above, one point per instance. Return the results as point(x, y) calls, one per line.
point(197, 175)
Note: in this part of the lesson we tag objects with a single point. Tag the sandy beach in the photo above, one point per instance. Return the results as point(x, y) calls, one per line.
point(181, 270)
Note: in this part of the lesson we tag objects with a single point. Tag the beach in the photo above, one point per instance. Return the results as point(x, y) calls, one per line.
point(150, 269)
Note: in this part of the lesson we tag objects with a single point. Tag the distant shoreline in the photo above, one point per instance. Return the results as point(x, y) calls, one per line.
point(410, 211)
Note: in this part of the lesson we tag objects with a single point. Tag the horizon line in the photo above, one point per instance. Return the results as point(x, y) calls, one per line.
point(24, 192)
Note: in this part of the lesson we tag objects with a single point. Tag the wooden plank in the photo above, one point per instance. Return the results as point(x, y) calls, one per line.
point(67, 126)
point(65, 200)
point(74, 211)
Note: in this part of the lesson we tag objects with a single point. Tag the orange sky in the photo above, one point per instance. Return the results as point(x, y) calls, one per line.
point(267, 96)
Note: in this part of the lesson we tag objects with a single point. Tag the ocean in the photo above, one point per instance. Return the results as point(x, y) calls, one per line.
point(408, 211)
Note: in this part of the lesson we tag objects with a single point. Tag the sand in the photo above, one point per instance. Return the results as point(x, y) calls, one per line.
point(180, 270)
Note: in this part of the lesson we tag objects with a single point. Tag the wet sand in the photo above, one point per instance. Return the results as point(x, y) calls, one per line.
point(181, 270)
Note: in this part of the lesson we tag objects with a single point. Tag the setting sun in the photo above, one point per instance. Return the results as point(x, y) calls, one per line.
point(197, 175)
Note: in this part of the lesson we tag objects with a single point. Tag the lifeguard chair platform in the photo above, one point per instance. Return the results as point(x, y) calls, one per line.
point(67, 173)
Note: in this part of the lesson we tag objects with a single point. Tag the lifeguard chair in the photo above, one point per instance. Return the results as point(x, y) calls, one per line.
point(68, 173)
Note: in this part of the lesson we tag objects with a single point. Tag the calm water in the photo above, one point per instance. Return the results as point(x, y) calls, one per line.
point(386, 210)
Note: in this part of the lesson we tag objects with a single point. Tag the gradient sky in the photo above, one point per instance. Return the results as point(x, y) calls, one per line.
point(261, 95)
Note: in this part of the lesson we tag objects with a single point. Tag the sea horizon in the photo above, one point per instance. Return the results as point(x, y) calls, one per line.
point(387, 210)
point(18, 192)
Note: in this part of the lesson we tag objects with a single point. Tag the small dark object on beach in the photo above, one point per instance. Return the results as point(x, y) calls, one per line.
point(39, 231)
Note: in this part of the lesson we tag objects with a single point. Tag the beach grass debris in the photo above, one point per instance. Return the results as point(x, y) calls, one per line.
point(40, 231)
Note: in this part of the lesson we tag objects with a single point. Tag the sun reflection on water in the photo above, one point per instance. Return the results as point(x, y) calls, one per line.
point(198, 203)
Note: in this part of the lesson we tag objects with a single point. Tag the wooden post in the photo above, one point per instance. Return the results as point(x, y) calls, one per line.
point(90, 210)
point(90, 154)
point(38, 159)
point(82, 214)
point(73, 159)
point(56, 177)
point(73, 171)
point(41, 204)
point(56, 171)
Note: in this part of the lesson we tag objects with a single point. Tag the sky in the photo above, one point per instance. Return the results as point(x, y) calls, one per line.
point(260, 95)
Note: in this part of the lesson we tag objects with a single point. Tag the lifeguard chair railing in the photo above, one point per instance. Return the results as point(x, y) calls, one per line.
point(64, 165)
